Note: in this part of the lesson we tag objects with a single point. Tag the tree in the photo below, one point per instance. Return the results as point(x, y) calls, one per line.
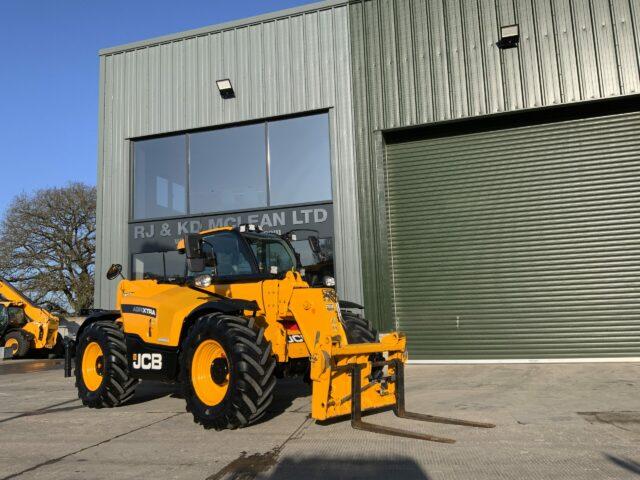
point(47, 246)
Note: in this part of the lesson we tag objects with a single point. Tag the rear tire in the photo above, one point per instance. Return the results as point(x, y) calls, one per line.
point(227, 371)
point(18, 342)
point(102, 370)
point(358, 329)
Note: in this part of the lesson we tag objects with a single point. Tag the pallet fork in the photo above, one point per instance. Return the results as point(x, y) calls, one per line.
point(399, 407)
point(353, 378)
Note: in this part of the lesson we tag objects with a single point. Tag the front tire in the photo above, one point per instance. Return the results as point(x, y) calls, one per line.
point(227, 371)
point(102, 371)
point(358, 329)
point(18, 342)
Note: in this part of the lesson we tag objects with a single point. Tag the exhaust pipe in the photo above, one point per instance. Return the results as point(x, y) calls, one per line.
point(69, 347)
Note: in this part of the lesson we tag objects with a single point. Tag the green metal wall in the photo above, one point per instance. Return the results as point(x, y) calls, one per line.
point(518, 242)
point(426, 61)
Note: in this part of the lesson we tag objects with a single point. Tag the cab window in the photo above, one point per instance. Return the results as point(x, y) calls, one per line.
point(231, 254)
point(271, 253)
point(17, 318)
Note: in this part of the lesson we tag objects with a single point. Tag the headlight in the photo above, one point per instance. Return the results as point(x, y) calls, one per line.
point(203, 281)
point(329, 281)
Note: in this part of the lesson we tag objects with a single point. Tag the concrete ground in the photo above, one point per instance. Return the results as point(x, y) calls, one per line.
point(553, 421)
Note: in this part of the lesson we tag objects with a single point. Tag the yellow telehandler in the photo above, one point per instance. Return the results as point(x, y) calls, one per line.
point(237, 317)
point(25, 327)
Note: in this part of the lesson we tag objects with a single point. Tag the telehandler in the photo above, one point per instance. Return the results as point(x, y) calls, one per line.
point(240, 316)
point(24, 326)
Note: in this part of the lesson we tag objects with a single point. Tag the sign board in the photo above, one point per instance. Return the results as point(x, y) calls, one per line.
point(162, 235)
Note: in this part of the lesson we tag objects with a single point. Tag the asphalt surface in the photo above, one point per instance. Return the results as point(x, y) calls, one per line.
point(553, 422)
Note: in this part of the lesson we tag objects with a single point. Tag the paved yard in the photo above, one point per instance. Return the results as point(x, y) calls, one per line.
point(554, 421)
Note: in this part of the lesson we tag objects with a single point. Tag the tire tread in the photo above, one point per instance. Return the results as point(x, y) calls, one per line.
point(250, 354)
point(118, 386)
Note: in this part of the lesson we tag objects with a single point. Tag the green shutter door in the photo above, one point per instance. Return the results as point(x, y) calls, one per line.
point(518, 243)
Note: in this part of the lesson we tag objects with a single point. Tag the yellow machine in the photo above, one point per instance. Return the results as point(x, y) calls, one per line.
point(24, 326)
point(237, 317)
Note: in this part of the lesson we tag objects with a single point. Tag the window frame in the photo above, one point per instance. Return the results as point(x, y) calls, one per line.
point(187, 133)
point(247, 277)
point(277, 240)
point(329, 123)
point(132, 171)
point(265, 161)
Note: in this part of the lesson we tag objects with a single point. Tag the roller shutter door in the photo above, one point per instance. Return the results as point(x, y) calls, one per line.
point(518, 243)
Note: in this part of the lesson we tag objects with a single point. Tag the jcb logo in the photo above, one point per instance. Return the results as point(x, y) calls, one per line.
point(295, 338)
point(147, 361)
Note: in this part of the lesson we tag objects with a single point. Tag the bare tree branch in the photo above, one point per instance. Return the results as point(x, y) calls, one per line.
point(47, 246)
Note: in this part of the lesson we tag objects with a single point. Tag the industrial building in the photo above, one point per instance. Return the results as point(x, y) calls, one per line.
point(469, 169)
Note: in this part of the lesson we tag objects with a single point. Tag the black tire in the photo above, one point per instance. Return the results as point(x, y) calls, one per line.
point(23, 342)
point(250, 367)
point(58, 349)
point(117, 385)
point(358, 329)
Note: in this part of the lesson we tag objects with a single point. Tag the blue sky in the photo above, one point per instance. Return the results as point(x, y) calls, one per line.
point(49, 76)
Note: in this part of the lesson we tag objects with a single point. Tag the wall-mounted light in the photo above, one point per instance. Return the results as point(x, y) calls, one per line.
point(509, 36)
point(225, 88)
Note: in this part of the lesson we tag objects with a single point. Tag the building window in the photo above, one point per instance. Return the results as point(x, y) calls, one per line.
point(227, 170)
point(158, 265)
point(275, 163)
point(299, 153)
point(159, 178)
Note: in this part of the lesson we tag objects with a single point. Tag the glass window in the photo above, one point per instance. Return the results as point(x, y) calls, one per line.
point(158, 265)
point(271, 252)
point(299, 155)
point(175, 264)
point(17, 317)
point(159, 178)
point(227, 169)
point(231, 254)
point(305, 251)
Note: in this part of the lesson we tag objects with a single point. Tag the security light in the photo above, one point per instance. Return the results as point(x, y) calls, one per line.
point(509, 36)
point(225, 88)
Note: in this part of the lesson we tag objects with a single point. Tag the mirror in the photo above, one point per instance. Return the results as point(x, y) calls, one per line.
point(114, 271)
point(193, 250)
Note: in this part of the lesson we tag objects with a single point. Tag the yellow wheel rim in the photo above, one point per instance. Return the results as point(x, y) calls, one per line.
point(12, 344)
point(92, 366)
point(210, 372)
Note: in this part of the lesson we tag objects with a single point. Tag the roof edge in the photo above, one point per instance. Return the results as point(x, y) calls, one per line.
point(223, 26)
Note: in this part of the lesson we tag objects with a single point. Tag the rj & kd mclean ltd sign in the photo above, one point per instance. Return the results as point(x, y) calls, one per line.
point(157, 235)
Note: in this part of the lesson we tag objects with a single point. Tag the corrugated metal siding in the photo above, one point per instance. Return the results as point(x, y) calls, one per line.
point(518, 243)
point(422, 61)
point(281, 66)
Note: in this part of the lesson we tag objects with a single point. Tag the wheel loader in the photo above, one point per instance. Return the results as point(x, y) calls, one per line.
point(25, 327)
point(238, 317)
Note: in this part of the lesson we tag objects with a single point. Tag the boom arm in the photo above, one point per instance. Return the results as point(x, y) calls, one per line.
point(35, 313)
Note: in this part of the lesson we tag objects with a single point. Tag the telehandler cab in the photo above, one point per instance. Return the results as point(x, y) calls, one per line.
point(24, 326)
point(240, 316)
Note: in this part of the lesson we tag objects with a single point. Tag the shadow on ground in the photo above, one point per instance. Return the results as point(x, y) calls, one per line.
point(286, 391)
point(321, 468)
point(147, 391)
point(625, 463)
